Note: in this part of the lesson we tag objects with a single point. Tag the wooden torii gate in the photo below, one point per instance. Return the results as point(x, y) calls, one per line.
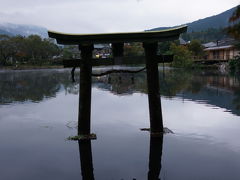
point(86, 43)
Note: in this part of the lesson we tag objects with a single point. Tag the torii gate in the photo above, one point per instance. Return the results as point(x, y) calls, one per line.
point(150, 41)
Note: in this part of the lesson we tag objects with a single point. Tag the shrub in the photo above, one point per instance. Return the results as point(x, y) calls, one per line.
point(234, 64)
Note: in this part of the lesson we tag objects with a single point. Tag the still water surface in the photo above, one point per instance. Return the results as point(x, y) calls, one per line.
point(38, 112)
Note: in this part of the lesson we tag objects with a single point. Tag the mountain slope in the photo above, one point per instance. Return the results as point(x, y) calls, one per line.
point(5, 33)
point(217, 21)
point(23, 30)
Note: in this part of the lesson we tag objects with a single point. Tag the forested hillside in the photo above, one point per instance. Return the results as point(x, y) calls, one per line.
point(207, 29)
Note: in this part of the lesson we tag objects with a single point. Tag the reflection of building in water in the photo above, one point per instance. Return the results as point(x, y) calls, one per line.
point(122, 83)
point(218, 90)
point(221, 99)
point(223, 82)
point(211, 88)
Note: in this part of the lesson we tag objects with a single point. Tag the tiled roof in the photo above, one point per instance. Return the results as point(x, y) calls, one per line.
point(218, 48)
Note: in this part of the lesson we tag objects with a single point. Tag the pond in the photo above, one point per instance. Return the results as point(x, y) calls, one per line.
point(39, 111)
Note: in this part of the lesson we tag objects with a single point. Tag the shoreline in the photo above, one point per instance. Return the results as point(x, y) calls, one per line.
point(37, 67)
point(29, 67)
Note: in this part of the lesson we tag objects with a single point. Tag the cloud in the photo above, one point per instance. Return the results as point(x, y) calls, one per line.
point(87, 16)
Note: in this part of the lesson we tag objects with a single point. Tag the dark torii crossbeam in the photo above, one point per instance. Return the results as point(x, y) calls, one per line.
point(85, 42)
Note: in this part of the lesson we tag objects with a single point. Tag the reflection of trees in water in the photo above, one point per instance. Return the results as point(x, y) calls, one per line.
point(171, 82)
point(37, 85)
point(194, 85)
point(236, 100)
point(30, 85)
point(174, 81)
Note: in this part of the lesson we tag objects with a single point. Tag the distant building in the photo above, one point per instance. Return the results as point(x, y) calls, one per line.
point(210, 44)
point(102, 50)
point(182, 41)
point(221, 50)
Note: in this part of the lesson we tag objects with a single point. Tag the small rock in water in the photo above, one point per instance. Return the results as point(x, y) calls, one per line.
point(145, 129)
point(166, 130)
point(82, 137)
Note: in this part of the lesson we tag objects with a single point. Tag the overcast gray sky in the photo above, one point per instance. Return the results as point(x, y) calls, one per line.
point(95, 16)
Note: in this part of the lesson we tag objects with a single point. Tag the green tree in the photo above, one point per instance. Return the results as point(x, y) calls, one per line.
point(49, 49)
point(19, 44)
point(234, 28)
point(34, 46)
point(196, 48)
point(234, 64)
point(68, 52)
point(133, 49)
point(182, 56)
point(234, 31)
point(26, 49)
point(6, 49)
point(164, 47)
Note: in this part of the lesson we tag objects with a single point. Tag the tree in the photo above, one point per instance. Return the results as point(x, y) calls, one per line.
point(19, 48)
point(234, 29)
point(182, 56)
point(68, 51)
point(163, 47)
point(48, 49)
point(196, 48)
point(26, 49)
point(133, 49)
point(6, 49)
point(33, 43)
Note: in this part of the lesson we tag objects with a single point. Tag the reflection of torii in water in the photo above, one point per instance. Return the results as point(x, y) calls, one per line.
point(155, 157)
point(85, 151)
point(155, 152)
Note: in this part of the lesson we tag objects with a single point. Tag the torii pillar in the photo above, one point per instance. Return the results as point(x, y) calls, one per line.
point(84, 114)
point(154, 98)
